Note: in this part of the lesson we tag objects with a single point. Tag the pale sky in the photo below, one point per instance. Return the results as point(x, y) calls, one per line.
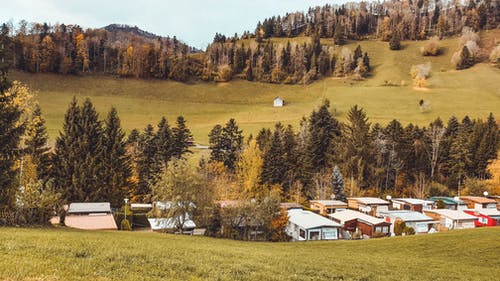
point(192, 21)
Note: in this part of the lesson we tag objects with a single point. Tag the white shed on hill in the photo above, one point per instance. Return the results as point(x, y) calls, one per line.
point(278, 102)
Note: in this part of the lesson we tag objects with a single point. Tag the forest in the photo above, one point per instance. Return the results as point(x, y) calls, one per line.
point(130, 52)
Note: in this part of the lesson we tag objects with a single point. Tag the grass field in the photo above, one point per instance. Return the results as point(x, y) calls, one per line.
point(63, 254)
point(474, 92)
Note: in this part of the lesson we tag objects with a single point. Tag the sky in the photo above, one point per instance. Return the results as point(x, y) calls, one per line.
point(193, 21)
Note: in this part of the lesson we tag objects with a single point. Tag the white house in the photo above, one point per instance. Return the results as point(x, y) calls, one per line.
point(452, 219)
point(278, 102)
point(412, 204)
point(168, 224)
point(305, 225)
point(416, 220)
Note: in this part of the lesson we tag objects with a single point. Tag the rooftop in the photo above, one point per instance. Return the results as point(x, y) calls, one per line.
point(349, 215)
point(369, 200)
point(480, 200)
point(405, 215)
point(98, 207)
point(308, 219)
point(490, 212)
point(413, 201)
point(452, 214)
point(329, 202)
point(447, 200)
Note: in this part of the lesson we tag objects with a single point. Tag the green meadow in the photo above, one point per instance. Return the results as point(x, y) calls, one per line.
point(65, 254)
point(474, 92)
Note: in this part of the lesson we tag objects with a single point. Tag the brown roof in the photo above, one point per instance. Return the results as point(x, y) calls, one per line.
point(478, 199)
point(290, 205)
point(91, 222)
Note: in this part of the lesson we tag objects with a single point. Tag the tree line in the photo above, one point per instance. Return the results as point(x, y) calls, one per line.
point(414, 161)
point(130, 52)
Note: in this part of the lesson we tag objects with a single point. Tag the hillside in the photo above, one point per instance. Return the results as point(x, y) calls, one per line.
point(63, 254)
point(472, 92)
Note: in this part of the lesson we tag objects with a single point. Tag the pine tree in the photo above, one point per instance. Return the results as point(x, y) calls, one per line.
point(357, 145)
point(466, 59)
point(78, 159)
point(460, 157)
point(215, 141)
point(395, 42)
point(164, 141)
point(338, 184)
point(366, 62)
point(273, 171)
point(183, 139)
point(148, 163)
point(10, 134)
point(323, 128)
point(116, 169)
point(36, 144)
point(232, 139)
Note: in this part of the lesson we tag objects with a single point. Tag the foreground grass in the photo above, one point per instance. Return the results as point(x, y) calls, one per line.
point(474, 92)
point(62, 254)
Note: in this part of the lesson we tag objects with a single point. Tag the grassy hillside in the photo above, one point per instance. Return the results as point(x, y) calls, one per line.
point(474, 91)
point(61, 254)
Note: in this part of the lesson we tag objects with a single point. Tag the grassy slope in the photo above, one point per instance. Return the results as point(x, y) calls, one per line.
point(58, 254)
point(475, 92)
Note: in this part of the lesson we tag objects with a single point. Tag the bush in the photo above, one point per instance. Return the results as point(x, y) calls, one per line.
point(224, 74)
point(395, 43)
point(399, 227)
point(495, 56)
point(431, 48)
point(377, 234)
point(409, 230)
point(125, 225)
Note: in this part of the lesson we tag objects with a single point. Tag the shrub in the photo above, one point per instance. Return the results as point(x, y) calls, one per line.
point(495, 56)
point(409, 230)
point(125, 225)
point(378, 234)
point(224, 74)
point(440, 204)
point(399, 227)
point(431, 48)
point(395, 43)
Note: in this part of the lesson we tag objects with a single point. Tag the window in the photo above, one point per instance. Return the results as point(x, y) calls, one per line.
point(314, 235)
point(385, 229)
point(378, 229)
point(302, 233)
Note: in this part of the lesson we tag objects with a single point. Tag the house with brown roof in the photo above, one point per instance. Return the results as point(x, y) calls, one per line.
point(477, 202)
point(368, 205)
point(353, 221)
point(92, 216)
point(325, 207)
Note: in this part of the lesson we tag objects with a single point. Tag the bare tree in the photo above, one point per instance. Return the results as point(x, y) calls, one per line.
point(435, 134)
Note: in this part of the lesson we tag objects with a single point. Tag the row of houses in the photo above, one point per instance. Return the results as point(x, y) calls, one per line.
point(366, 217)
point(359, 217)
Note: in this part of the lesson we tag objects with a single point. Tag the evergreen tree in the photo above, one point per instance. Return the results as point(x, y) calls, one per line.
point(78, 158)
point(395, 42)
point(460, 157)
point(232, 139)
point(264, 139)
point(164, 141)
point(338, 184)
point(148, 163)
point(36, 144)
point(466, 59)
point(183, 139)
point(273, 170)
point(366, 62)
point(215, 141)
point(116, 169)
point(357, 146)
point(10, 134)
point(323, 129)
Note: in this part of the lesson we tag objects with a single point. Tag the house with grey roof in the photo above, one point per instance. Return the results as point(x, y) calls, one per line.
point(91, 216)
point(306, 226)
point(416, 220)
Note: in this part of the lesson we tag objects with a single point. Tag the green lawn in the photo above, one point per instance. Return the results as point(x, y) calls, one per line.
point(63, 254)
point(474, 91)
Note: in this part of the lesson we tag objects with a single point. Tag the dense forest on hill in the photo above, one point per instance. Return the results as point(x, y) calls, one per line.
point(130, 52)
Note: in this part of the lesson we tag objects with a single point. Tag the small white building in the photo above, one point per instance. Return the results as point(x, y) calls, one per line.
point(416, 220)
point(305, 225)
point(452, 219)
point(278, 102)
point(412, 204)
